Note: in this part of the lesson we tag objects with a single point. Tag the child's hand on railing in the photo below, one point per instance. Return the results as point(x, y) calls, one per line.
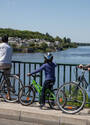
point(28, 74)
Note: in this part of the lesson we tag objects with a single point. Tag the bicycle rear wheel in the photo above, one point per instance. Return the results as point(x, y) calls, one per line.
point(15, 85)
point(75, 98)
point(26, 95)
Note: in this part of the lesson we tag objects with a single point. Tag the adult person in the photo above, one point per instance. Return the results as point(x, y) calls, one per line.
point(5, 57)
point(49, 68)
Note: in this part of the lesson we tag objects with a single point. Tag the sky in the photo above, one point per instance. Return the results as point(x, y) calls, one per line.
point(63, 18)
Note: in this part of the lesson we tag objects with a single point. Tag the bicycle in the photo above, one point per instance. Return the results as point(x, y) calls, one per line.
point(11, 83)
point(75, 94)
point(28, 93)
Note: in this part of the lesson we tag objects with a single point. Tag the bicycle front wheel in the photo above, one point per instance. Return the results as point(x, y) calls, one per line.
point(26, 95)
point(13, 89)
point(74, 96)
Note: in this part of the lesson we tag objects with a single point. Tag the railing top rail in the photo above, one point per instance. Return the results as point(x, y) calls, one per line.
point(42, 63)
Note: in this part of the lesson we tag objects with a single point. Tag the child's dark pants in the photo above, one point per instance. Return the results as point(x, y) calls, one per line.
point(48, 84)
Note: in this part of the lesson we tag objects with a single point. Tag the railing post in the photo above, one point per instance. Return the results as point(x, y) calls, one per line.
point(29, 72)
point(14, 68)
point(64, 75)
point(35, 69)
point(24, 73)
point(58, 76)
point(19, 74)
point(70, 73)
point(41, 77)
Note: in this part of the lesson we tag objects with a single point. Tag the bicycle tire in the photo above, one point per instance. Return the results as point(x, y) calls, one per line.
point(75, 97)
point(53, 101)
point(15, 85)
point(26, 95)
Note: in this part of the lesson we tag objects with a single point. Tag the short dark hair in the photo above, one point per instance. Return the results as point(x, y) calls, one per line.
point(5, 38)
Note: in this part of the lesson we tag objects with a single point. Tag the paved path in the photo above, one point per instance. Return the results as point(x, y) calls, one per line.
point(34, 114)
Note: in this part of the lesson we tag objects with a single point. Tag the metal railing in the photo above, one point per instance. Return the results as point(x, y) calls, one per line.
point(64, 72)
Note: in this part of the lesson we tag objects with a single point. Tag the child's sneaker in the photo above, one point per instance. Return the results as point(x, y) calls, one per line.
point(41, 106)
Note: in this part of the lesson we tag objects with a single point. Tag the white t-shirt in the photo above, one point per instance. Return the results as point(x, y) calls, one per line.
point(5, 53)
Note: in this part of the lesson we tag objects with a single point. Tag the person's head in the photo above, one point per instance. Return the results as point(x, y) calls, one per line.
point(5, 39)
point(48, 57)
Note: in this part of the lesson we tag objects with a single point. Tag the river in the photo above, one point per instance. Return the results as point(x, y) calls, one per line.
point(80, 55)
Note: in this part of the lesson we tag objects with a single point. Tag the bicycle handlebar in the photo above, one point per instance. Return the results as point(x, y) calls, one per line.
point(35, 75)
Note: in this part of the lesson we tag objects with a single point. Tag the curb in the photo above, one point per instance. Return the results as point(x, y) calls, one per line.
point(44, 117)
point(29, 117)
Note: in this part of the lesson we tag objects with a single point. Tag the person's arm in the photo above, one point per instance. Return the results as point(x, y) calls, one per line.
point(36, 71)
point(86, 66)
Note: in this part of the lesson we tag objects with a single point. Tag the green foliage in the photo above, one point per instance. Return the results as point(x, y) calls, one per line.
point(63, 43)
point(57, 38)
point(25, 34)
point(31, 44)
point(13, 45)
point(44, 45)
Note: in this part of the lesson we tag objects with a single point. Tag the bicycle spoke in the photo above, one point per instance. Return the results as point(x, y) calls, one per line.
point(10, 93)
point(26, 95)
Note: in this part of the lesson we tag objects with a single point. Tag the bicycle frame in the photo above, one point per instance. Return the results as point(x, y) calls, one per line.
point(85, 85)
point(82, 79)
point(3, 78)
point(38, 88)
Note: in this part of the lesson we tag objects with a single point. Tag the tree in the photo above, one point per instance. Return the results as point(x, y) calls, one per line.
point(43, 45)
point(68, 40)
point(64, 40)
point(31, 44)
point(57, 38)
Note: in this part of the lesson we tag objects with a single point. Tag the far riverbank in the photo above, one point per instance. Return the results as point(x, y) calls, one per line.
point(42, 49)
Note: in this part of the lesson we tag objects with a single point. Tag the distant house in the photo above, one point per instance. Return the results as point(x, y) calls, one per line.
point(48, 43)
point(51, 44)
point(57, 43)
point(12, 40)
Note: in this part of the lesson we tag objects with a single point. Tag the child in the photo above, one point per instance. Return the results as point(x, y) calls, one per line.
point(49, 68)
